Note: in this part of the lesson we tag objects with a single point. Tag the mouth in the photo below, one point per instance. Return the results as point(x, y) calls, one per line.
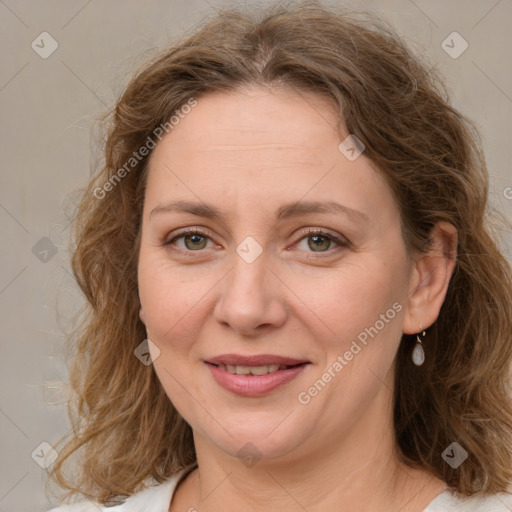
point(254, 370)
point(254, 375)
point(260, 364)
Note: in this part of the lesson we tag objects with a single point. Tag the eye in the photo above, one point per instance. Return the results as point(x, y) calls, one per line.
point(193, 240)
point(318, 241)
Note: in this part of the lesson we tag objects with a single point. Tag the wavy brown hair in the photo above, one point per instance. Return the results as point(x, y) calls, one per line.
point(124, 426)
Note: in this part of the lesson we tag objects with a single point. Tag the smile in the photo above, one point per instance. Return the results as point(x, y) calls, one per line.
point(252, 370)
point(256, 379)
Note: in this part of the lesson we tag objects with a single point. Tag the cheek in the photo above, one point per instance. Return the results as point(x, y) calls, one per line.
point(158, 297)
point(171, 299)
point(352, 298)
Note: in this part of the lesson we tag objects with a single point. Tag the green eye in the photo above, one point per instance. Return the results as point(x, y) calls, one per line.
point(318, 242)
point(193, 240)
point(196, 241)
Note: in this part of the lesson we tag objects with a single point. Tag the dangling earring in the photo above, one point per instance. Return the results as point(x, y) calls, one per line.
point(418, 354)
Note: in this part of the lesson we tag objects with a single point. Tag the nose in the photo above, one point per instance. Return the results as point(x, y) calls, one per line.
point(251, 298)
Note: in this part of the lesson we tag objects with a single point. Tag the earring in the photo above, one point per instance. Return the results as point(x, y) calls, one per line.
point(418, 354)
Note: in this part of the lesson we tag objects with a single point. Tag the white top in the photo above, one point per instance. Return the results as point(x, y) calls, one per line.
point(158, 498)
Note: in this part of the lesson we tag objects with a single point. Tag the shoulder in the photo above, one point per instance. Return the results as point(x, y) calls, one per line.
point(448, 502)
point(156, 497)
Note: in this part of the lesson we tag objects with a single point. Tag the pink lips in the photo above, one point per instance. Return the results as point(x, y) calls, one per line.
point(254, 385)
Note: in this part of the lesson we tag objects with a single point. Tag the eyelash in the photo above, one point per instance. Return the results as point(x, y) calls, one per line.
point(310, 232)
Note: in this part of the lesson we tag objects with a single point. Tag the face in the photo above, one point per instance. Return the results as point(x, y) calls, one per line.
point(247, 266)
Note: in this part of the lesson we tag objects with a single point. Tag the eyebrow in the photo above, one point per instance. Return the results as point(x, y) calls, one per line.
point(286, 211)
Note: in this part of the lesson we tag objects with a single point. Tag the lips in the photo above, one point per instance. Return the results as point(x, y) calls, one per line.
point(254, 376)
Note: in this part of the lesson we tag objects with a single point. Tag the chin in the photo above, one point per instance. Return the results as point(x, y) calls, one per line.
point(262, 441)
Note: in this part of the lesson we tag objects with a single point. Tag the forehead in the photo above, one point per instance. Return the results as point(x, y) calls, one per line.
point(258, 143)
point(252, 117)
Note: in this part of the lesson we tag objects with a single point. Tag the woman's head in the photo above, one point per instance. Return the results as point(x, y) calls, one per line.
point(253, 278)
point(248, 116)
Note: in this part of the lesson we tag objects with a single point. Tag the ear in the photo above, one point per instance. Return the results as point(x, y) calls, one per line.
point(429, 279)
point(142, 316)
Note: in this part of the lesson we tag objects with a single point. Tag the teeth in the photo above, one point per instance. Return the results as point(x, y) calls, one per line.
point(253, 370)
point(241, 370)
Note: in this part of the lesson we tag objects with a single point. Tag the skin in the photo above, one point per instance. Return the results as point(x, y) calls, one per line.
point(247, 154)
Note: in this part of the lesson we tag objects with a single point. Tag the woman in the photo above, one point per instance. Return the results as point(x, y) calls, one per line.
point(290, 226)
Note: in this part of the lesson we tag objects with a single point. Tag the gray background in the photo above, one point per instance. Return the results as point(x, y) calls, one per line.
point(48, 151)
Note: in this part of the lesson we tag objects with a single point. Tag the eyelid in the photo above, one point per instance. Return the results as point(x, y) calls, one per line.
point(335, 237)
